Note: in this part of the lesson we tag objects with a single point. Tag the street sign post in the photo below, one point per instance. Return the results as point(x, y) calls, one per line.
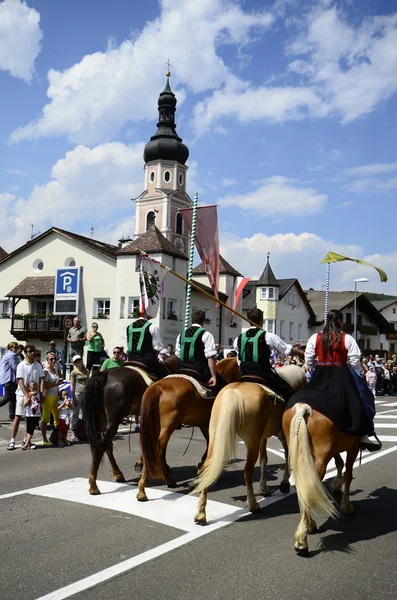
point(67, 291)
point(67, 324)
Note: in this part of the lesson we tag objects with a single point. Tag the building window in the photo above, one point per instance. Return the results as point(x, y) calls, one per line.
point(291, 331)
point(167, 176)
point(152, 176)
point(2, 352)
point(179, 223)
point(180, 179)
point(133, 307)
point(263, 293)
point(41, 307)
point(172, 310)
point(359, 319)
point(5, 307)
point(348, 318)
point(300, 331)
point(38, 265)
point(271, 294)
point(394, 311)
point(70, 262)
point(150, 219)
point(270, 326)
point(102, 307)
point(282, 330)
point(122, 306)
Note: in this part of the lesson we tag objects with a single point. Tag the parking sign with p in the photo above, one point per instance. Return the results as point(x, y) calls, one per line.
point(67, 287)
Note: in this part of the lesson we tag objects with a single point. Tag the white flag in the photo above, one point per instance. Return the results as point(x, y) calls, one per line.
point(151, 278)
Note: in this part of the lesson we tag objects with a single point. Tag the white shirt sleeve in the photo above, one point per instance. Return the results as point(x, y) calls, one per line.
point(235, 347)
point(310, 352)
point(209, 344)
point(278, 344)
point(353, 352)
point(178, 346)
point(156, 339)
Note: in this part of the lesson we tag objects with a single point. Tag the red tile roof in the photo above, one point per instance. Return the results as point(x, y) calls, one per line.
point(152, 241)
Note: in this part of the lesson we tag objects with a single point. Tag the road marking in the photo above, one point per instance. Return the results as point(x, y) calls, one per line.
point(384, 412)
point(383, 416)
point(391, 403)
point(388, 438)
point(386, 425)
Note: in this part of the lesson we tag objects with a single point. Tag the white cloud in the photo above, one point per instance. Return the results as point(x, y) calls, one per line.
point(372, 177)
point(278, 196)
point(228, 181)
point(369, 170)
point(353, 66)
point(299, 255)
point(20, 37)
point(92, 100)
point(17, 172)
point(90, 185)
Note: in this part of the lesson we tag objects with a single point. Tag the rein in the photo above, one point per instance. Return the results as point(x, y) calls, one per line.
point(188, 444)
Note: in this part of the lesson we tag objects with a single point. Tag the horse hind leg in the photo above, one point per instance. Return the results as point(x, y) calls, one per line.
point(201, 517)
point(337, 482)
point(263, 487)
point(141, 495)
point(117, 474)
point(252, 457)
point(206, 435)
point(285, 485)
point(345, 505)
point(97, 454)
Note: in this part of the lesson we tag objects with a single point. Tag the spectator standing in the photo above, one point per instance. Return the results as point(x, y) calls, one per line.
point(76, 338)
point(170, 349)
point(32, 414)
point(370, 378)
point(386, 380)
point(27, 371)
point(114, 362)
point(8, 378)
point(65, 407)
point(96, 344)
point(52, 350)
point(393, 380)
point(379, 373)
point(52, 381)
point(219, 353)
point(78, 381)
point(20, 352)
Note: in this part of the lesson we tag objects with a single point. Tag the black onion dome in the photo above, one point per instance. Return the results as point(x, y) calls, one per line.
point(166, 144)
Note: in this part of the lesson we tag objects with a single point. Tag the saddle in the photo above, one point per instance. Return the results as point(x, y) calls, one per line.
point(260, 381)
point(252, 379)
point(142, 366)
point(202, 390)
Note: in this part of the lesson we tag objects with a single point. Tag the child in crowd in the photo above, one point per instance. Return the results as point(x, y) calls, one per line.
point(371, 379)
point(65, 407)
point(32, 413)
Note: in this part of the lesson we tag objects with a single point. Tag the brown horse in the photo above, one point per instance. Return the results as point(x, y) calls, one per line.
point(246, 410)
point(110, 397)
point(313, 440)
point(167, 404)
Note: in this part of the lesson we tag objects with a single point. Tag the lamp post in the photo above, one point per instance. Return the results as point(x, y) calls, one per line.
point(356, 281)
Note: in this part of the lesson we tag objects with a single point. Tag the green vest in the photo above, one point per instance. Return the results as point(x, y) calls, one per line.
point(250, 340)
point(189, 340)
point(141, 331)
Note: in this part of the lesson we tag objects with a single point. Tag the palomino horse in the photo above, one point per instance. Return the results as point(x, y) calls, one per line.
point(165, 405)
point(313, 440)
point(110, 397)
point(246, 410)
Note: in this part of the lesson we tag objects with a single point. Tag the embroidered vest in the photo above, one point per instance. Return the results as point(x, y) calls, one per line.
point(139, 338)
point(254, 351)
point(337, 357)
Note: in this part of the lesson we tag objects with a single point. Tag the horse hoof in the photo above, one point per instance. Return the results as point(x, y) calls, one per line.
point(347, 512)
point(95, 492)
point(138, 466)
point(285, 487)
point(265, 493)
point(200, 519)
point(172, 484)
point(313, 530)
point(304, 551)
point(141, 497)
point(337, 495)
point(120, 478)
point(255, 509)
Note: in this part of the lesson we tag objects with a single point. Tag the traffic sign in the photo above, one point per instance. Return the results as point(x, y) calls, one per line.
point(67, 291)
point(67, 322)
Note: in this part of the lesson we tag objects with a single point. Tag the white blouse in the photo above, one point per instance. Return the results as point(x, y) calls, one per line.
point(353, 352)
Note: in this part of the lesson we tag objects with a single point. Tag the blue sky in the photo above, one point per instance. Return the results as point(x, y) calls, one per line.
point(288, 109)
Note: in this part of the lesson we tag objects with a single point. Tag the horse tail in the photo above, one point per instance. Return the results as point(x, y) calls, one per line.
point(94, 408)
point(150, 431)
point(312, 495)
point(223, 433)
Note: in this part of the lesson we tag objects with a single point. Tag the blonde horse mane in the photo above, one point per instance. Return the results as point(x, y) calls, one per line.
point(293, 375)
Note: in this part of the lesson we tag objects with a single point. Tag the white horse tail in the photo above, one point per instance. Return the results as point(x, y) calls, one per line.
point(230, 419)
point(312, 495)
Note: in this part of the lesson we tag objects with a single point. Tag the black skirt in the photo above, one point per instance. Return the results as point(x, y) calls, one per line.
point(333, 392)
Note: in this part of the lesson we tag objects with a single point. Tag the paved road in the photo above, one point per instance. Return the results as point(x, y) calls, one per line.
point(59, 542)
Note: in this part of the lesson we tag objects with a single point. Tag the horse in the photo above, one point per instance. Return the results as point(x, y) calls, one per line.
point(247, 410)
point(313, 440)
point(167, 404)
point(110, 397)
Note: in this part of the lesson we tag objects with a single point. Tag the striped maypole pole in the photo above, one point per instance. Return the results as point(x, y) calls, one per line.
point(191, 257)
point(327, 292)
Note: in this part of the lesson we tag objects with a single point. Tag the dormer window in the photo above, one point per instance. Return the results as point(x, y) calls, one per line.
point(269, 293)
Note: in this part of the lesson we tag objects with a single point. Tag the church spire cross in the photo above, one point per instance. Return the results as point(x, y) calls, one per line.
point(168, 73)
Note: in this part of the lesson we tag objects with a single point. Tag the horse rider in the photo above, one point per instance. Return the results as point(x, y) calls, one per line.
point(254, 348)
point(336, 389)
point(143, 345)
point(196, 350)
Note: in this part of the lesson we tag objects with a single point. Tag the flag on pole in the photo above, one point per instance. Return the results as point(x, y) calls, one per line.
point(239, 285)
point(334, 257)
point(206, 240)
point(151, 280)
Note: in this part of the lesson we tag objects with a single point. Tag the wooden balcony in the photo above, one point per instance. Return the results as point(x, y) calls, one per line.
point(363, 329)
point(42, 328)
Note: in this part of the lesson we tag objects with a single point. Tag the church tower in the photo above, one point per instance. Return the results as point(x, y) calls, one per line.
point(267, 297)
point(165, 177)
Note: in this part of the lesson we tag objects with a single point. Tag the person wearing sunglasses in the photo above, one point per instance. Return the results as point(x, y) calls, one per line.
point(115, 361)
point(96, 344)
point(8, 378)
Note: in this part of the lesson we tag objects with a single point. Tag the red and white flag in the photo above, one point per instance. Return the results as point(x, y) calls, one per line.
point(239, 285)
point(151, 278)
point(206, 240)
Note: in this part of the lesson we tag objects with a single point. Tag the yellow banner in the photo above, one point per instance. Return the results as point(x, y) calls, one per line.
point(334, 257)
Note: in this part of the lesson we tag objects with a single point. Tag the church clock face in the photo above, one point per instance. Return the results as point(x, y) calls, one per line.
point(179, 244)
